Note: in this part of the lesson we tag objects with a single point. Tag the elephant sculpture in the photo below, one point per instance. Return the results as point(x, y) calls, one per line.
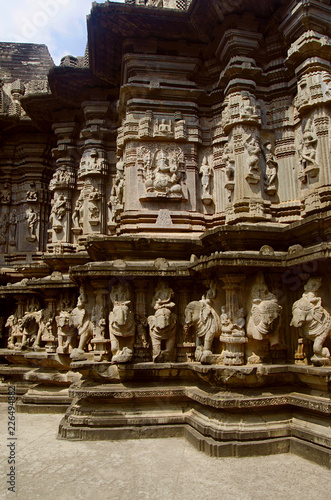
point(162, 329)
point(264, 320)
point(122, 331)
point(30, 329)
point(207, 325)
point(79, 319)
point(67, 336)
point(314, 323)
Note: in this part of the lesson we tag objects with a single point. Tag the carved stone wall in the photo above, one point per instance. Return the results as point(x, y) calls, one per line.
point(165, 200)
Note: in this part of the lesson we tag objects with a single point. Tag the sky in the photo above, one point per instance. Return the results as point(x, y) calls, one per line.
point(59, 24)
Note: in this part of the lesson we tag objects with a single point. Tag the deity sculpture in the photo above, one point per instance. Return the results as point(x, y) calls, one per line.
point(14, 325)
point(94, 206)
point(253, 150)
point(92, 162)
point(58, 212)
point(270, 179)
point(117, 193)
point(313, 321)
point(31, 219)
point(235, 328)
point(163, 128)
point(165, 178)
point(3, 228)
point(62, 178)
point(307, 152)
point(32, 195)
point(12, 226)
point(163, 324)
point(77, 212)
point(229, 161)
point(303, 96)
point(122, 326)
point(248, 107)
point(5, 193)
point(206, 173)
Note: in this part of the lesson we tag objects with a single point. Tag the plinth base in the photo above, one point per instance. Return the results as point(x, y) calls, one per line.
point(218, 423)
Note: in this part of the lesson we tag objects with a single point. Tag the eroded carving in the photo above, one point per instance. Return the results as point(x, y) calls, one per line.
point(270, 179)
point(307, 152)
point(229, 161)
point(263, 319)
point(32, 218)
point(313, 321)
point(121, 324)
point(201, 316)
point(15, 331)
point(80, 320)
point(253, 149)
point(93, 162)
point(162, 325)
point(58, 212)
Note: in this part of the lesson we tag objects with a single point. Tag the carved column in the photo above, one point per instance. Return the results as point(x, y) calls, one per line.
point(62, 186)
point(241, 122)
point(142, 347)
point(308, 57)
point(99, 314)
point(90, 209)
point(49, 336)
point(5, 217)
point(234, 334)
point(186, 347)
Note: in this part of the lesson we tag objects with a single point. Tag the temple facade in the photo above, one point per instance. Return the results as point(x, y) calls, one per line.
point(165, 226)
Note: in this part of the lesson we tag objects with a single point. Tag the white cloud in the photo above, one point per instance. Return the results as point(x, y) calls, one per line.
point(59, 24)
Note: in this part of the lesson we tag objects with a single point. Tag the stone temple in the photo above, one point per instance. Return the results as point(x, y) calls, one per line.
point(165, 226)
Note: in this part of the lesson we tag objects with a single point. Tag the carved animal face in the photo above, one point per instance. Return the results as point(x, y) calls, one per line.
point(269, 313)
point(301, 313)
point(162, 318)
point(62, 320)
point(121, 314)
point(192, 313)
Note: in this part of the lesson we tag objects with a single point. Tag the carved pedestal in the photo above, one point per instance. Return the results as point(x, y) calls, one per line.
point(233, 354)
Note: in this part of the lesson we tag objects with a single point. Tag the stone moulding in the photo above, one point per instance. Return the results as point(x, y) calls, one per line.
point(283, 425)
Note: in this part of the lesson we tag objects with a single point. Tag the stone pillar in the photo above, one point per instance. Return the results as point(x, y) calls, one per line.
point(89, 215)
point(49, 336)
point(309, 58)
point(241, 122)
point(185, 346)
point(232, 319)
point(142, 347)
point(99, 314)
point(62, 185)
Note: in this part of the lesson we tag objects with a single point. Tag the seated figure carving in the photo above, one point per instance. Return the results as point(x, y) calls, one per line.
point(15, 332)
